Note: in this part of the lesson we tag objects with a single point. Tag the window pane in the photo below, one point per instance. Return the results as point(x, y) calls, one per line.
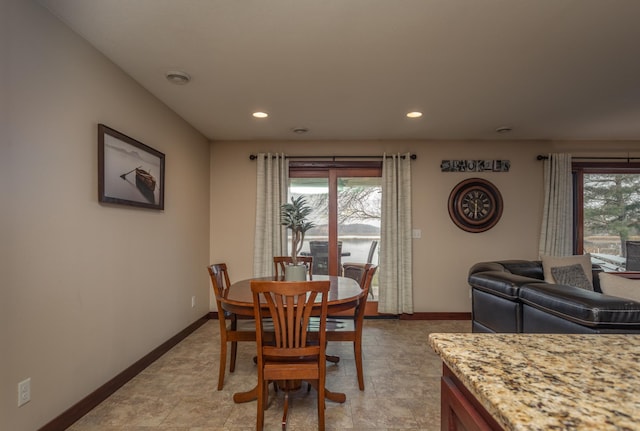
point(359, 215)
point(611, 217)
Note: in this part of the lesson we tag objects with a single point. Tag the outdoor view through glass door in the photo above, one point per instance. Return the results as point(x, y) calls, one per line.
point(346, 206)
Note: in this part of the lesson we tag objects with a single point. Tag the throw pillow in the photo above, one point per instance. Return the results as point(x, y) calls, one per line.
point(621, 287)
point(549, 262)
point(572, 275)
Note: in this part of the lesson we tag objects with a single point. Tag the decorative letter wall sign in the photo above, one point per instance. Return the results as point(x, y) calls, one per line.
point(475, 165)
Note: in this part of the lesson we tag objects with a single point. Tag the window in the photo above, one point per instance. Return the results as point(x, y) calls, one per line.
point(607, 211)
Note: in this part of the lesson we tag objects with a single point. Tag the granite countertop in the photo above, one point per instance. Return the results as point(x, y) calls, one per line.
point(544, 382)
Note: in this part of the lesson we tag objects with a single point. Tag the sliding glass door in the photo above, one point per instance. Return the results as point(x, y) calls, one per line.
point(346, 199)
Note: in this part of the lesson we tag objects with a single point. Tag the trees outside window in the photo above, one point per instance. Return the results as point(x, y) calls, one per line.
point(607, 211)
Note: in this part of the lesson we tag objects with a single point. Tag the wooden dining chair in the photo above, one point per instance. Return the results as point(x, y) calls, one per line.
point(291, 355)
point(350, 328)
point(229, 329)
point(280, 262)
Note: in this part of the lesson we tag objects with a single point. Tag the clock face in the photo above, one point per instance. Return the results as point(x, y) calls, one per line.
point(475, 205)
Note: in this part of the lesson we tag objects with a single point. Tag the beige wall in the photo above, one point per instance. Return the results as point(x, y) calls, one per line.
point(86, 289)
point(442, 257)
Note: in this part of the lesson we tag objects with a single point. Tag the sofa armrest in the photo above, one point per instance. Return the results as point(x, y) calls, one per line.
point(524, 268)
point(583, 307)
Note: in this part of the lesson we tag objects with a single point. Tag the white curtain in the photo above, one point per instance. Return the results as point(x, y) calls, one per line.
point(556, 232)
point(270, 237)
point(396, 291)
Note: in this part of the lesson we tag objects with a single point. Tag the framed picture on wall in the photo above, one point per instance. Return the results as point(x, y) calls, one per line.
point(129, 172)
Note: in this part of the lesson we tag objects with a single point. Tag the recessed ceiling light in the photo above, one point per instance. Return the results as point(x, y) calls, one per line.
point(503, 129)
point(414, 114)
point(300, 130)
point(178, 77)
point(260, 114)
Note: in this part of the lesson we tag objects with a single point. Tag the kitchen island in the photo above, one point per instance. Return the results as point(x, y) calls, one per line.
point(539, 381)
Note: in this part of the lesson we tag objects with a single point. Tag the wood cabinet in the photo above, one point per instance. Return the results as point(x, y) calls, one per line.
point(460, 410)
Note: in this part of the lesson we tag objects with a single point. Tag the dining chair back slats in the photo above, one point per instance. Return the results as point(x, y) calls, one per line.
point(290, 329)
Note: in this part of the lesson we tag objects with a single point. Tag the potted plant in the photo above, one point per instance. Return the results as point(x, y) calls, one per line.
point(294, 216)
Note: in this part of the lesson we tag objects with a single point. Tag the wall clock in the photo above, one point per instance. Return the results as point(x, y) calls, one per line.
point(475, 205)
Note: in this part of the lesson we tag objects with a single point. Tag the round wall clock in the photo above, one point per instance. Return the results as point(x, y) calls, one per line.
point(475, 205)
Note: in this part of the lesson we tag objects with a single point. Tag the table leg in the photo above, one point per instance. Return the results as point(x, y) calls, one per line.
point(245, 397)
point(336, 397)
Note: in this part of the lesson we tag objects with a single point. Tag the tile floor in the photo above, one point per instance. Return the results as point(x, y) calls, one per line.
point(178, 391)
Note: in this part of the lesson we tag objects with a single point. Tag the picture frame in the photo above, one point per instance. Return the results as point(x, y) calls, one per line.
point(129, 172)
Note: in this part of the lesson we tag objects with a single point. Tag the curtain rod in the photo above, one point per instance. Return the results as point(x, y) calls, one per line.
point(627, 159)
point(412, 157)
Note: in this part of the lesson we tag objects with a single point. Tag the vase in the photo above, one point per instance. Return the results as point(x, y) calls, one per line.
point(295, 272)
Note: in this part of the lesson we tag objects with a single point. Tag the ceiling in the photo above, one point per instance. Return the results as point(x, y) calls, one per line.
point(352, 69)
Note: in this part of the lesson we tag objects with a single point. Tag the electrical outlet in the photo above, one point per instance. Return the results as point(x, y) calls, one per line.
point(24, 392)
point(193, 301)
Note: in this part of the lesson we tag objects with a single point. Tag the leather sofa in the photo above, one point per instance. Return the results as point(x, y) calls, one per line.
point(511, 296)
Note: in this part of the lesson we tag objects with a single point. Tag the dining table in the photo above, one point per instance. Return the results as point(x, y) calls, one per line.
point(344, 294)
